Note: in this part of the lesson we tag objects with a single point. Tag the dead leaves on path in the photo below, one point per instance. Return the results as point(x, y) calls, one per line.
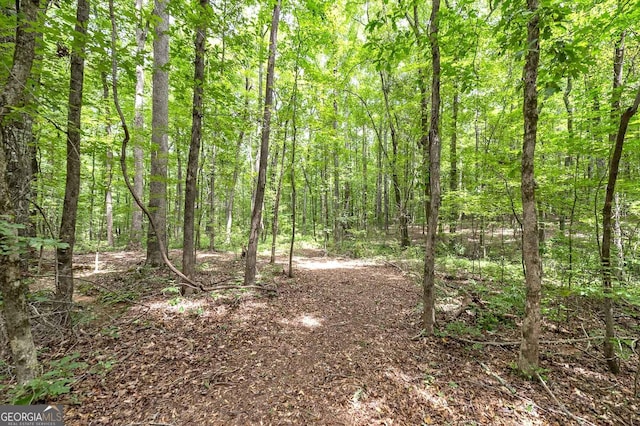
point(334, 347)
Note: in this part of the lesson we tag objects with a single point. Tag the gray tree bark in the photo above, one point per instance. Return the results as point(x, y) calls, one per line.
point(159, 136)
point(188, 248)
point(64, 289)
point(528, 357)
point(135, 239)
point(14, 289)
point(607, 228)
point(256, 215)
point(428, 287)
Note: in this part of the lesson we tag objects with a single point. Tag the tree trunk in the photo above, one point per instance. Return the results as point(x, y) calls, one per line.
point(211, 220)
point(337, 211)
point(178, 215)
point(365, 185)
point(236, 167)
point(108, 195)
point(294, 140)
point(256, 215)
point(605, 255)
point(617, 238)
point(528, 357)
point(64, 291)
point(188, 248)
point(428, 297)
point(453, 163)
point(159, 136)
point(424, 107)
point(13, 288)
point(276, 202)
point(135, 238)
point(395, 181)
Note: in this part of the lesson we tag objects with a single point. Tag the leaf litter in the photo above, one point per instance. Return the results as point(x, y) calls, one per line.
point(337, 346)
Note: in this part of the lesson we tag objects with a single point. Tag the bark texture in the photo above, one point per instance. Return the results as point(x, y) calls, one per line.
point(528, 357)
point(135, 239)
point(13, 288)
point(256, 215)
point(428, 297)
point(159, 137)
point(64, 290)
point(605, 256)
point(191, 191)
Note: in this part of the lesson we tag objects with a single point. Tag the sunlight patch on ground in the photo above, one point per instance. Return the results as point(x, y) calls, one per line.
point(318, 264)
point(252, 305)
point(591, 374)
point(449, 304)
point(179, 306)
point(431, 395)
point(304, 320)
point(204, 256)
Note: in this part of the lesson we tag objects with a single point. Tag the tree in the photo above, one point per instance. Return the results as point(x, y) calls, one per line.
point(159, 136)
point(528, 357)
point(614, 167)
point(188, 248)
point(428, 298)
point(256, 215)
point(64, 290)
point(135, 239)
point(12, 285)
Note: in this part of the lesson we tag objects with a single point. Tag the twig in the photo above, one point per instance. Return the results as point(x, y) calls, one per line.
point(580, 420)
point(517, 343)
point(502, 381)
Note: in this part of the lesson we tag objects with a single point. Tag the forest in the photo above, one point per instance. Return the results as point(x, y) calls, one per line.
point(357, 212)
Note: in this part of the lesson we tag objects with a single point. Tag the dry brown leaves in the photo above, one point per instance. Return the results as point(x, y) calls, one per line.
point(334, 348)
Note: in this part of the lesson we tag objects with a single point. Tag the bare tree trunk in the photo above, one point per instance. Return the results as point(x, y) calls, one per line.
point(135, 239)
point(605, 255)
point(13, 288)
point(617, 238)
point(337, 211)
point(108, 196)
point(236, 167)
point(428, 297)
point(453, 163)
point(528, 357)
point(211, 220)
point(401, 209)
point(276, 202)
point(424, 108)
point(64, 290)
point(188, 248)
point(365, 184)
point(178, 215)
point(159, 136)
point(294, 140)
point(256, 215)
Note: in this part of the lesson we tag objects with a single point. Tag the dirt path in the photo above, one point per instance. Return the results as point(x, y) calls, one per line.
point(333, 348)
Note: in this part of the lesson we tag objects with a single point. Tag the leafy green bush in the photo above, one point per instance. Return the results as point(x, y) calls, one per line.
point(57, 381)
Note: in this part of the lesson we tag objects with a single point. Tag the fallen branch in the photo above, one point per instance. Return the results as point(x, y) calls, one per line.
point(517, 343)
point(502, 381)
point(564, 409)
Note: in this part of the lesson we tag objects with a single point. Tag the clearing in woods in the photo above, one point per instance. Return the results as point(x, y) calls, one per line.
point(336, 345)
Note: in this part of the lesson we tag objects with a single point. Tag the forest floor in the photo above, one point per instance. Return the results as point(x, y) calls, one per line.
point(338, 344)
